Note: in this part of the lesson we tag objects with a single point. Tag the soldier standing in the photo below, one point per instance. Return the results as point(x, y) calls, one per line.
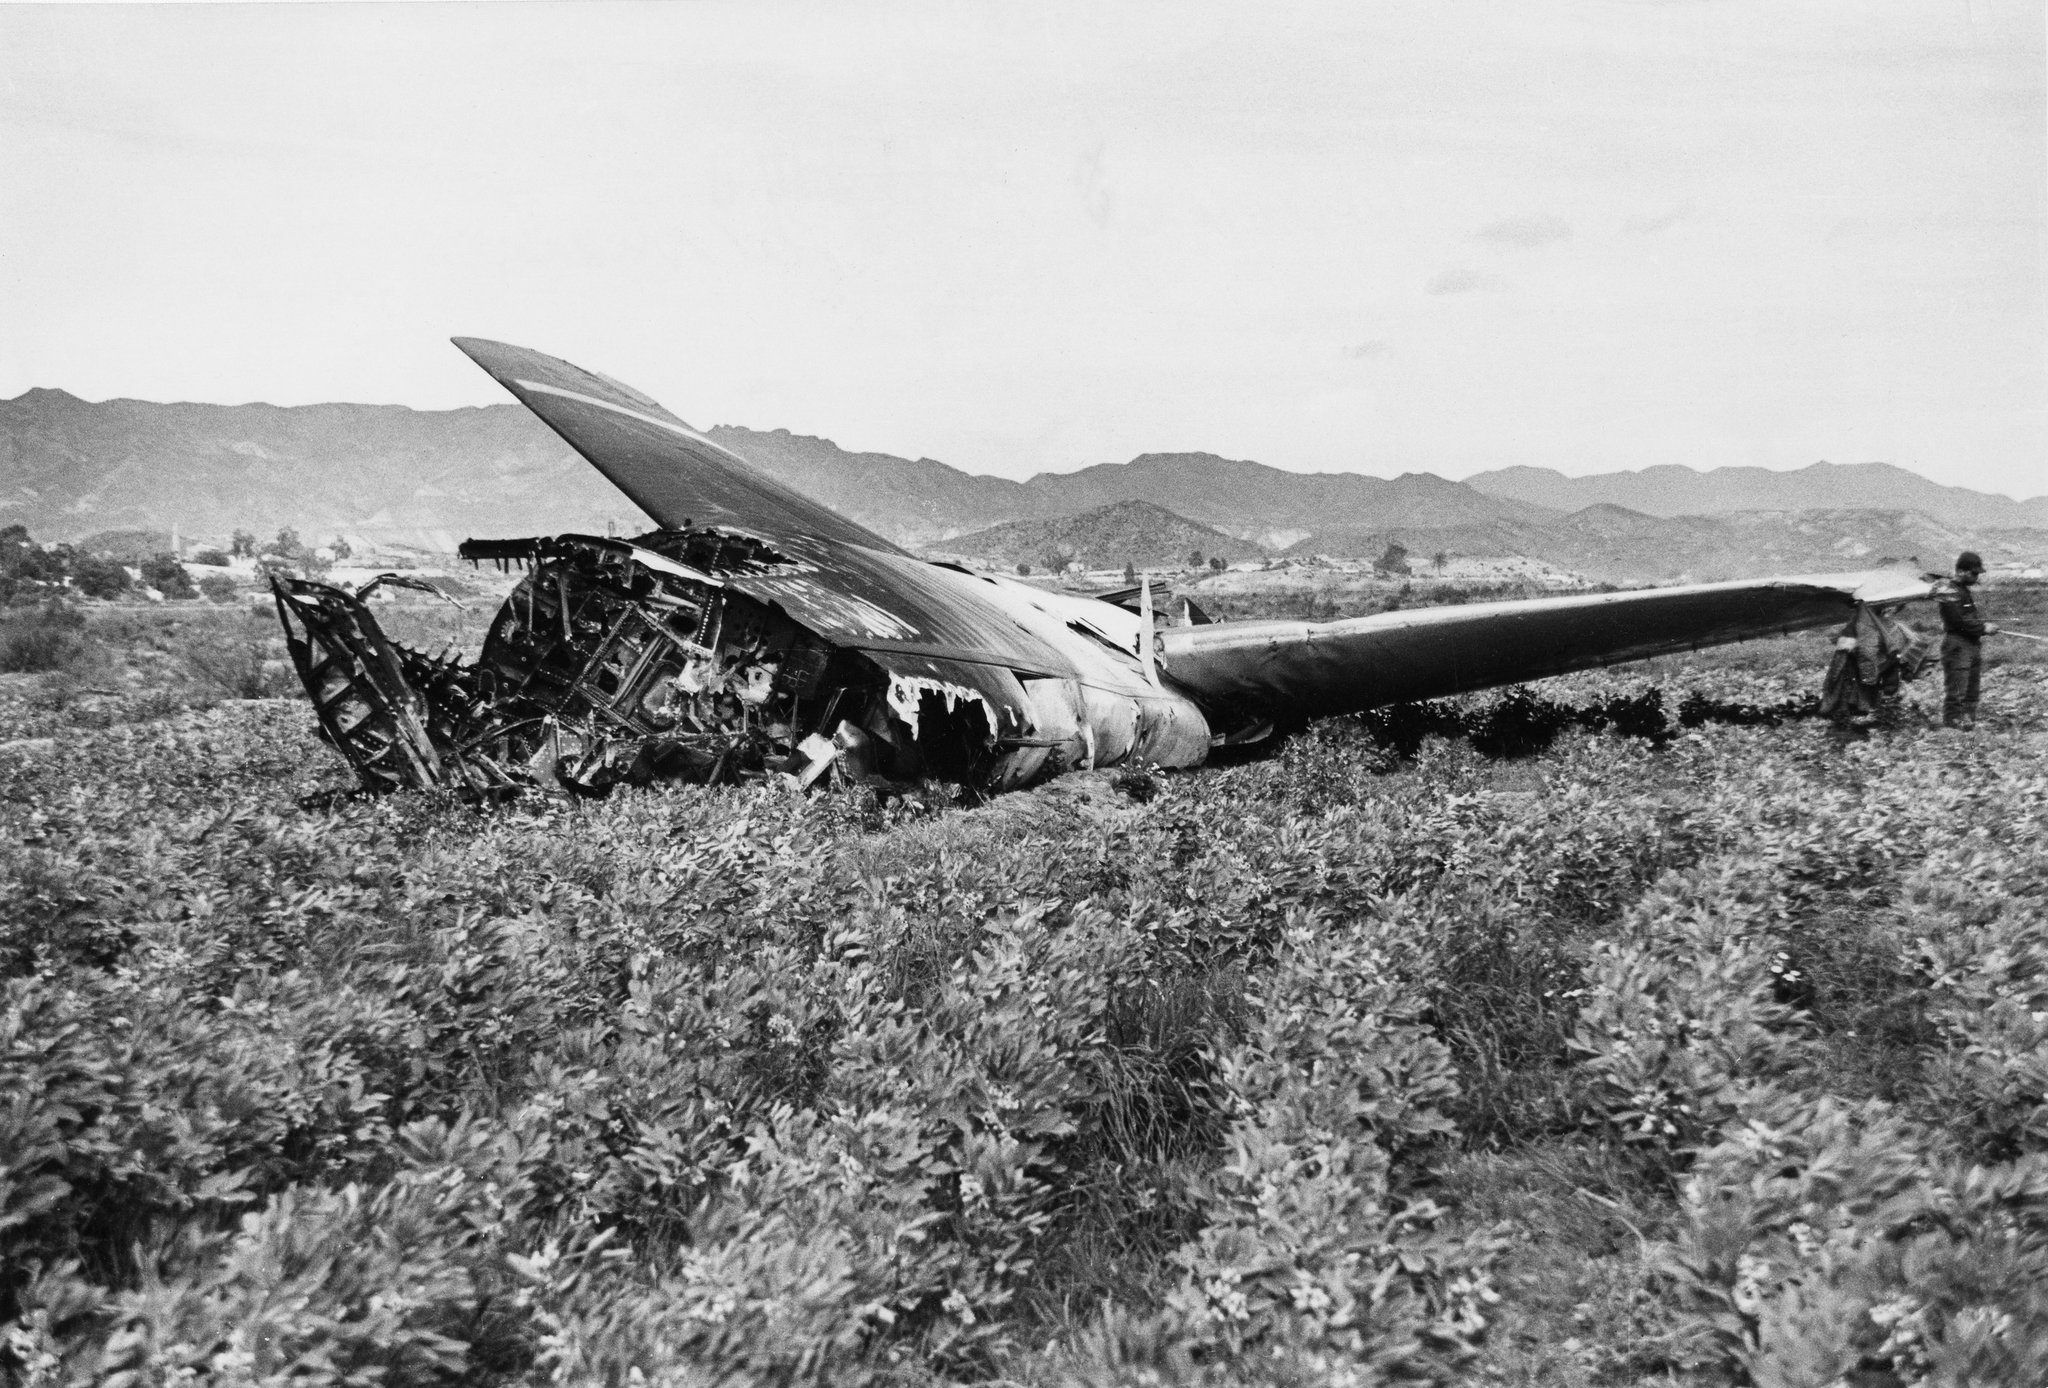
point(1962, 650)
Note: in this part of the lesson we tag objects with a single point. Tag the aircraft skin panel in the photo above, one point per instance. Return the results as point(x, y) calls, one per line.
point(1319, 669)
point(669, 470)
point(879, 602)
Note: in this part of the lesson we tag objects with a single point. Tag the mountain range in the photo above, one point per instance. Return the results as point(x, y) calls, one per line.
point(1669, 490)
point(427, 478)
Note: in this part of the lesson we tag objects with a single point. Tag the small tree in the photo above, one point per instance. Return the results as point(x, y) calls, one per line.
point(164, 573)
point(1194, 559)
point(1218, 563)
point(217, 588)
point(287, 545)
point(1439, 559)
point(26, 568)
point(243, 545)
point(1024, 569)
point(1130, 573)
point(97, 576)
point(1393, 560)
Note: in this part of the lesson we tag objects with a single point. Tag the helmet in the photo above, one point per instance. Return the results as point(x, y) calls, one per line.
point(1971, 560)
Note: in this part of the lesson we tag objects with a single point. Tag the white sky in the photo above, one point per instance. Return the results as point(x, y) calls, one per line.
point(1428, 236)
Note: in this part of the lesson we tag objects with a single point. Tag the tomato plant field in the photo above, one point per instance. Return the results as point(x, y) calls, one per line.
point(1602, 1046)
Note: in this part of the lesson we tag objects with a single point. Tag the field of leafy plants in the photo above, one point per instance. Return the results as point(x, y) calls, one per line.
point(1635, 1028)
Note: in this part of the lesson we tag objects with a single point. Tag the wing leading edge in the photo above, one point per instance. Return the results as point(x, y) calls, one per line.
point(1318, 669)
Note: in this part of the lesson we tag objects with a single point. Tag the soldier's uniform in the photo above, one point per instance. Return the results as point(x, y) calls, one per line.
point(1873, 655)
point(1962, 648)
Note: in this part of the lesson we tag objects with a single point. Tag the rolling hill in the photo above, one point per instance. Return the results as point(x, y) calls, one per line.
point(1615, 544)
point(1106, 537)
point(1682, 491)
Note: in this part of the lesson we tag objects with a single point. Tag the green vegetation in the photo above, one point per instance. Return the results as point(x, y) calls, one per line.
point(45, 637)
point(1710, 1056)
point(29, 572)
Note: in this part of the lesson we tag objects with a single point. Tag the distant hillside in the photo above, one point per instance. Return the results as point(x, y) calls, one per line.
point(69, 467)
point(1263, 503)
point(1619, 545)
point(391, 475)
point(1107, 537)
point(1682, 491)
point(129, 546)
point(923, 502)
point(1487, 540)
point(909, 501)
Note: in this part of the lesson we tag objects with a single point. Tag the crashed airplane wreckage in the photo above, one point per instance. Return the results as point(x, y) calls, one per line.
point(756, 632)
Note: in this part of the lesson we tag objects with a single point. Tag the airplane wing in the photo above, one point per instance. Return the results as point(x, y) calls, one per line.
point(672, 472)
point(1316, 669)
point(838, 578)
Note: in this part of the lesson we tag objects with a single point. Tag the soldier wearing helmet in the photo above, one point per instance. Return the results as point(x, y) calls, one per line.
point(1962, 650)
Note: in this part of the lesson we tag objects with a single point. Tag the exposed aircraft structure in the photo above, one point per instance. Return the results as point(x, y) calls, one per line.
point(755, 632)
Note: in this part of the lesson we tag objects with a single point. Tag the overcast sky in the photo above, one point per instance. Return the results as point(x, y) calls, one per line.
point(1394, 237)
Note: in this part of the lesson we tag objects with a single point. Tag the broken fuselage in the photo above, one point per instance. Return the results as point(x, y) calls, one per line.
point(709, 656)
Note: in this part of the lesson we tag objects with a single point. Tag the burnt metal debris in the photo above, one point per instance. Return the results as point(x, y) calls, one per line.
point(611, 662)
point(755, 633)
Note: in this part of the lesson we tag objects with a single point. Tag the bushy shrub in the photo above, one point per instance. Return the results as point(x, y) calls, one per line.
point(27, 570)
point(1308, 1239)
point(41, 638)
point(164, 573)
point(240, 662)
point(217, 588)
point(1822, 1244)
point(1981, 947)
point(97, 576)
point(392, 1283)
point(1680, 1013)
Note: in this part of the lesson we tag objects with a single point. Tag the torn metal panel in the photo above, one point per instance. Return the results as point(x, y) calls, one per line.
point(647, 668)
point(870, 601)
point(1171, 731)
point(991, 689)
point(388, 710)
